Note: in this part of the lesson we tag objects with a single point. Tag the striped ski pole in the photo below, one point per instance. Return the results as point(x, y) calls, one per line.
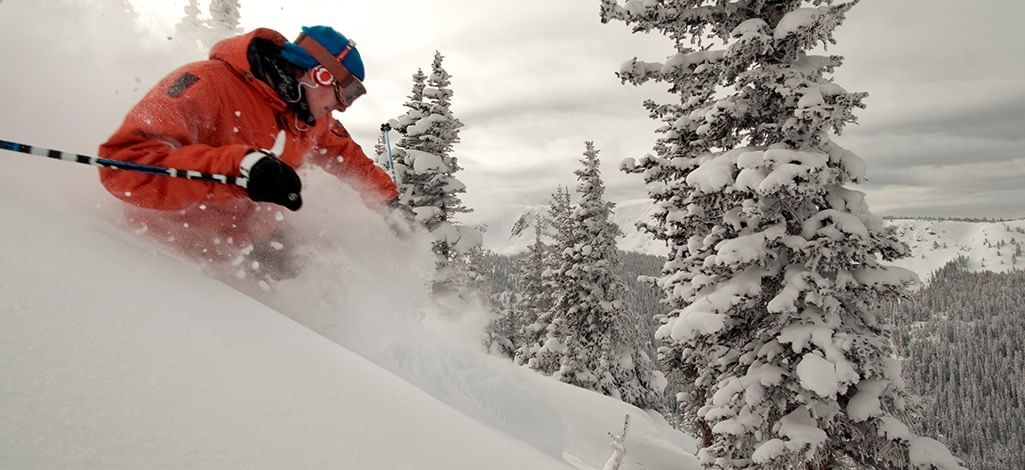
point(120, 165)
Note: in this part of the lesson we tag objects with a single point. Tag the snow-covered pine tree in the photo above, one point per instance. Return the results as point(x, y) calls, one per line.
point(426, 168)
point(600, 339)
point(443, 125)
point(533, 300)
point(190, 25)
point(501, 332)
point(415, 109)
point(774, 266)
point(545, 353)
point(225, 16)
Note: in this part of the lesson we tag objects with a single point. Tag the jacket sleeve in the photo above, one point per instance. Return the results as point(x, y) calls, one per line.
point(175, 125)
point(341, 156)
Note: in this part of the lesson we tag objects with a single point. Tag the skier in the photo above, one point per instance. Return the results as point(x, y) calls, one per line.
point(221, 116)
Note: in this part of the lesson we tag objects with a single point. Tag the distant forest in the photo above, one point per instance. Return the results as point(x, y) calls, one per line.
point(961, 340)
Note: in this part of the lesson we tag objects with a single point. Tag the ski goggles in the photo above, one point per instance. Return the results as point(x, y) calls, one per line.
point(331, 71)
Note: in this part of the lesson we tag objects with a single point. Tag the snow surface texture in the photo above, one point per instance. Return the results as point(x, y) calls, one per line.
point(116, 354)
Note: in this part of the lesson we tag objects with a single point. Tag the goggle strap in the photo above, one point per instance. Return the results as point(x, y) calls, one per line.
point(319, 52)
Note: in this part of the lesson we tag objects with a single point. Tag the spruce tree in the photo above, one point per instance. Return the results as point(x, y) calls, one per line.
point(599, 338)
point(425, 167)
point(533, 300)
point(225, 16)
point(405, 178)
point(190, 24)
point(503, 328)
point(545, 353)
point(774, 266)
point(415, 109)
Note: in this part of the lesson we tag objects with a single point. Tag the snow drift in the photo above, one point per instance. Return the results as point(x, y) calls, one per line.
point(117, 354)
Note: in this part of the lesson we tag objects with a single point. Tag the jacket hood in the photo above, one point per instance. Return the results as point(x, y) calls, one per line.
point(234, 52)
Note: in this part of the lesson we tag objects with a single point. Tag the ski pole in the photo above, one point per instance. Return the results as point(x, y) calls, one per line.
point(385, 128)
point(120, 165)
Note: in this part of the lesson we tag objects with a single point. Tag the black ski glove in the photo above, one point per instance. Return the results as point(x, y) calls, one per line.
point(271, 180)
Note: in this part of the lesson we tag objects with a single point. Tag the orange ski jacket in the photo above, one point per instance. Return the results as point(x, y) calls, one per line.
point(206, 116)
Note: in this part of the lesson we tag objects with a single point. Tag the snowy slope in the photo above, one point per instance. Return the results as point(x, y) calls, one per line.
point(116, 355)
point(988, 246)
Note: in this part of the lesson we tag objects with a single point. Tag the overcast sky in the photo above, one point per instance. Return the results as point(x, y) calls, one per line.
point(534, 79)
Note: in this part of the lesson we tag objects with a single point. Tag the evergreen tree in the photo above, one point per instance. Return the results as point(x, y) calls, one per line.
point(225, 16)
point(533, 300)
point(190, 24)
point(774, 266)
point(600, 340)
point(545, 355)
point(501, 332)
point(426, 168)
point(444, 127)
point(504, 323)
point(415, 109)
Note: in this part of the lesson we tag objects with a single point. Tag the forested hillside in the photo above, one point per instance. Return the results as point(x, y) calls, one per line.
point(961, 340)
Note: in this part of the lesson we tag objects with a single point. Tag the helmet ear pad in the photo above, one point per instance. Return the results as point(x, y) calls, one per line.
point(321, 76)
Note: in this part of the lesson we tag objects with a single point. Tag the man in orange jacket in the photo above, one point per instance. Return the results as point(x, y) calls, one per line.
point(220, 116)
